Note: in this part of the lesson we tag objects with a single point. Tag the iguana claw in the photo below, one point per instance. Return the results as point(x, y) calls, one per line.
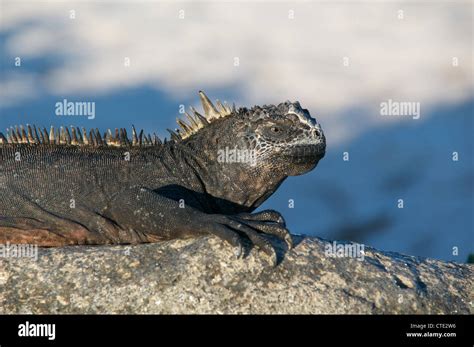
point(231, 228)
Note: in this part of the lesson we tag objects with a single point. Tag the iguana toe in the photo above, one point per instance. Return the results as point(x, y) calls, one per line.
point(272, 229)
point(264, 216)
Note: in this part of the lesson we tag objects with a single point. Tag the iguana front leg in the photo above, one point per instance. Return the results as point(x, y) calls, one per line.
point(146, 212)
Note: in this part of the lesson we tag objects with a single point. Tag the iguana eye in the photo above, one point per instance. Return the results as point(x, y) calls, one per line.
point(274, 131)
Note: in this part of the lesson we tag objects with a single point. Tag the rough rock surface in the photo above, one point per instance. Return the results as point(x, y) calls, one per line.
point(204, 276)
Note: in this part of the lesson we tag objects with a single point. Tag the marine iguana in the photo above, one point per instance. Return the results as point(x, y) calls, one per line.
point(68, 188)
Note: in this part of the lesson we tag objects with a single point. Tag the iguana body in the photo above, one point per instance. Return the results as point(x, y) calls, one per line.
point(64, 189)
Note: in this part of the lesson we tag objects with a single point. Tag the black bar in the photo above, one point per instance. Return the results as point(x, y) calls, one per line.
point(316, 330)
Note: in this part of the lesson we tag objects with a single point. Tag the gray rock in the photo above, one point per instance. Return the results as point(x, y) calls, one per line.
point(204, 276)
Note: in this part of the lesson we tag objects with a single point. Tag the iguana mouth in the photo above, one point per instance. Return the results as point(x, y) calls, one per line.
point(308, 152)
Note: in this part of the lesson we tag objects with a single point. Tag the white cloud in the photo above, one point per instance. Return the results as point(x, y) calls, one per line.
point(409, 59)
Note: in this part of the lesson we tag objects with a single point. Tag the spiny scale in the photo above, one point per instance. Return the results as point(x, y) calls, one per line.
point(75, 137)
point(80, 137)
point(197, 121)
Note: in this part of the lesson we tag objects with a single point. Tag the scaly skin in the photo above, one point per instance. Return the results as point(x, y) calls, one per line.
point(66, 194)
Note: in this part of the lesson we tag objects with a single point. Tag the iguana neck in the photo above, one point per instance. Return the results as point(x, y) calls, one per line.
point(235, 186)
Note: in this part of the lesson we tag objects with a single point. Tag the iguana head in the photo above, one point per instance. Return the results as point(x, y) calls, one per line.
point(283, 138)
point(246, 154)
